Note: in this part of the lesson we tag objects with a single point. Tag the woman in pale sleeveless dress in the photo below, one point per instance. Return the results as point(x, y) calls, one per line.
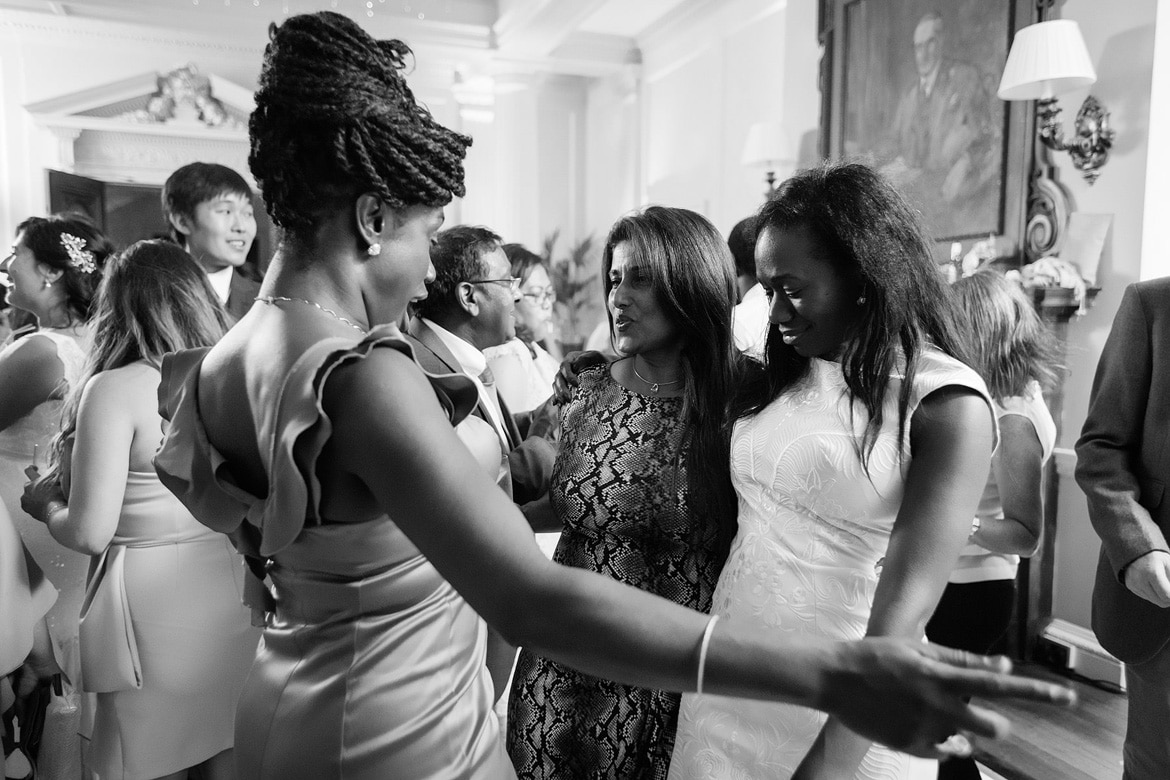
point(858, 459)
point(1015, 353)
point(52, 272)
point(170, 705)
point(310, 435)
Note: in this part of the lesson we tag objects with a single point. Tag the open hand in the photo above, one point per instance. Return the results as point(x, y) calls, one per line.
point(910, 695)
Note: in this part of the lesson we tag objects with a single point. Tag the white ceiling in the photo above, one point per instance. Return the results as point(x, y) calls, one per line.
point(584, 37)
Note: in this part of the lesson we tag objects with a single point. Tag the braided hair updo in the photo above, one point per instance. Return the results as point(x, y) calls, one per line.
point(335, 118)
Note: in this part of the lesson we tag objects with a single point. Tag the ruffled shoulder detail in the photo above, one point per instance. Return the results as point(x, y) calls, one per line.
point(291, 428)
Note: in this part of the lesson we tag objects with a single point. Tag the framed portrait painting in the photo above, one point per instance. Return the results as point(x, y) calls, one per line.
point(911, 90)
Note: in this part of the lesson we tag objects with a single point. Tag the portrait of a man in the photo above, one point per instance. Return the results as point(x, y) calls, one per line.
point(925, 112)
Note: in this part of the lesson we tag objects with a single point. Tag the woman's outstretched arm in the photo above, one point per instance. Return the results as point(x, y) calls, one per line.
point(386, 421)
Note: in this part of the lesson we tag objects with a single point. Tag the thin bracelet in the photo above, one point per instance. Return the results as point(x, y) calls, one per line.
point(703, 645)
point(53, 507)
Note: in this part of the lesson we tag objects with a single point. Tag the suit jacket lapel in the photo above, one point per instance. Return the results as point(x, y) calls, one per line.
point(436, 358)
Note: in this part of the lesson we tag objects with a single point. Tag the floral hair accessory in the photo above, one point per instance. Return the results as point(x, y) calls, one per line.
point(79, 257)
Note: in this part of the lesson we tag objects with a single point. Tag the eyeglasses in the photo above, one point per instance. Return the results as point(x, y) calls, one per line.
point(542, 296)
point(512, 281)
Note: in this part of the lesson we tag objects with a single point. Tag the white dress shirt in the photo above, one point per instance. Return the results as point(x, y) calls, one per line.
point(221, 282)
point(473, 363)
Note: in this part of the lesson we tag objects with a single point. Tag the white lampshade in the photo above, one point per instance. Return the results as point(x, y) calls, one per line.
point(767, 144)
point(1046, 60)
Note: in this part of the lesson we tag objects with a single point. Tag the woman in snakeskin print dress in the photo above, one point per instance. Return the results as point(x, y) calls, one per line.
point(627, 494)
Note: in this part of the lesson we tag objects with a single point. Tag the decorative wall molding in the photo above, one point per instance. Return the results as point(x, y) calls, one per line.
point(133, 157)
point(119, 149)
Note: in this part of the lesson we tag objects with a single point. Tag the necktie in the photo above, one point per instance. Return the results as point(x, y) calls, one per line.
point(504, 478)
point(489, 383)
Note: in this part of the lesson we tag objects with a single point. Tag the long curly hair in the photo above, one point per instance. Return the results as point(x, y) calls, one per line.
point(335, 118)
point(874, 237)
point(693, 276)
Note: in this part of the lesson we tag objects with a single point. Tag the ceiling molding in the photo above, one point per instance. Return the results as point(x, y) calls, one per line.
point(535, 28)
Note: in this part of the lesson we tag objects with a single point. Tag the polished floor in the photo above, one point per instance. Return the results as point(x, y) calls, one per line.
point(1082, 742)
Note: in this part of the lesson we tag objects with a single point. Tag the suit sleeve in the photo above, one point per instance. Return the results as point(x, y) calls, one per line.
point(1108, 450)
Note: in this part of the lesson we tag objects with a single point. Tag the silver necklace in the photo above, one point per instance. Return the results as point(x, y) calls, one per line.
point(653, 385)
point(272, 300)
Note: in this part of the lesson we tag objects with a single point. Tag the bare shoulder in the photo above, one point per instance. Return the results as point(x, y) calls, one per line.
point(950, 411)
point(126, 387)
point(33, 348)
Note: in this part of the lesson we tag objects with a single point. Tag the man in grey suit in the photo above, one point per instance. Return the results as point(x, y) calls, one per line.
point(1123, 464)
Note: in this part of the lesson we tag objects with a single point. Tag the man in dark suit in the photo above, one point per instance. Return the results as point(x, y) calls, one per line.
point(209, 208)
point(470, 306)
point(1123, 464)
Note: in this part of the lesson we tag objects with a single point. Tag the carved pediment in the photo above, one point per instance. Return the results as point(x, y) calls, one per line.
point(144, 126)
point(182, 100)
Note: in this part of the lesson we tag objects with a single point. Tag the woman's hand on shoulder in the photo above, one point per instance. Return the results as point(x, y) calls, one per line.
point(567, 375)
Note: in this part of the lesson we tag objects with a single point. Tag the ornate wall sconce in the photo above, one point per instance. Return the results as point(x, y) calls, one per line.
point(1048, 59)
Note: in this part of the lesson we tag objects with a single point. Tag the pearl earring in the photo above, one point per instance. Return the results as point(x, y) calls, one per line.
point(860, 300)
point(48, 284)
point(374, 249)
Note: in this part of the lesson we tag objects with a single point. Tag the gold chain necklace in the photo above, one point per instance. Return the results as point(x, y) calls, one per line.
point(653, 385)
point(272, 300)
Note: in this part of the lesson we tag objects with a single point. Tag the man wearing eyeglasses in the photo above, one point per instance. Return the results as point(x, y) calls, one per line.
point(471, 306)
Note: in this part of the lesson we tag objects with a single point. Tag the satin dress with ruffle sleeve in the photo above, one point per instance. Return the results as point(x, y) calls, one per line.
point(371, 665)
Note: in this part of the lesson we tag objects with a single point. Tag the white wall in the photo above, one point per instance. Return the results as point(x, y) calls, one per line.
point(43, 57)
point(706, 79)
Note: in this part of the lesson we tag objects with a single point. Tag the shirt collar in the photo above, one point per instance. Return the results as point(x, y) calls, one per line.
point(221, 282)
point(471, 360)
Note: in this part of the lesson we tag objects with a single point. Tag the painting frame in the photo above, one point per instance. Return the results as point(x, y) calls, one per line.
point(851, 28)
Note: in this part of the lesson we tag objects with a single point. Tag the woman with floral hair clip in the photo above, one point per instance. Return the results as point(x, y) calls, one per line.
point(52, 272)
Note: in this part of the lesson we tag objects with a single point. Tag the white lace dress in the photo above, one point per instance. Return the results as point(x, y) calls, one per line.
point(813, 529)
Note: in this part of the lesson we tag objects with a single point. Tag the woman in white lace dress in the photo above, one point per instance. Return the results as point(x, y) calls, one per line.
point(858, 457)
point(52, 271)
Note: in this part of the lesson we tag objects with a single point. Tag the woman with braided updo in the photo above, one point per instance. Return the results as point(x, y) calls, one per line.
point(310, 435)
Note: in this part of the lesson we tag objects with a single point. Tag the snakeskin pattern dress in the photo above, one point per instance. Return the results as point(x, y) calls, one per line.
point(621, 492)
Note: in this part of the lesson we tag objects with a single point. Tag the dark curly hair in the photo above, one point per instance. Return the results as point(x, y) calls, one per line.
point(335, 118)
point(42, 236)
point(874, 237)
